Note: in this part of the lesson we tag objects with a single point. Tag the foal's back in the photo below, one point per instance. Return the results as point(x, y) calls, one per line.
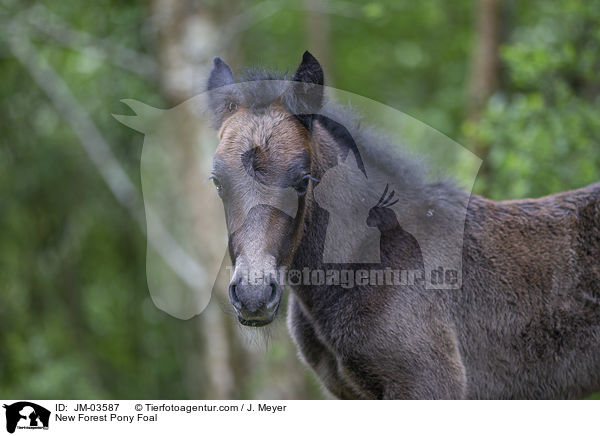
point(528, 316)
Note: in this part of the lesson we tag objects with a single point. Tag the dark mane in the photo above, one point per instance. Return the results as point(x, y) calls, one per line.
point(256, 74)
point(408, 171)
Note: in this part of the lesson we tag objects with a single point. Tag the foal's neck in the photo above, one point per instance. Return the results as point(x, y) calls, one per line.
point(428, 210)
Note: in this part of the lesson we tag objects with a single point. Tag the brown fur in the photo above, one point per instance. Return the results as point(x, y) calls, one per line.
point(524, 324)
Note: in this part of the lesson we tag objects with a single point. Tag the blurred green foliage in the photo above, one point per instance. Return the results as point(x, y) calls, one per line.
point(542, 127)
point(76, 320)
point(75, 317)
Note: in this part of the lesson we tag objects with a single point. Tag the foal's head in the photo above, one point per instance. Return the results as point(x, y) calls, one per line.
point(262, 171)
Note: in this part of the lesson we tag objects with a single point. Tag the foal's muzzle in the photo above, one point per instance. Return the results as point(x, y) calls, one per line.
point(255, 304)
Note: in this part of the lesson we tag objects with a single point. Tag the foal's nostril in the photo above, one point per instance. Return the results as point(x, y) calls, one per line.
point(233, 296)
point(273, 296)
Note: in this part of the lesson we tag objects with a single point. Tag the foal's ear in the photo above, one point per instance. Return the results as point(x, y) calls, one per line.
point(220, 75)
point(309, 71)
point(223, 99)
point(306, 97)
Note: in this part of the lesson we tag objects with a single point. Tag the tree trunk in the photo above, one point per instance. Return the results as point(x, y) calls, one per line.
point(485, 66)
point(186, 39)
point(485, 72)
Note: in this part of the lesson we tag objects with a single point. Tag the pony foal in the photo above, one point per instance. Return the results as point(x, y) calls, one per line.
point(524, 324)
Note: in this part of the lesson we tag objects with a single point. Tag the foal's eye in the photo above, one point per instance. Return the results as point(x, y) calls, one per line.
point(217, 185)
point(302, 185)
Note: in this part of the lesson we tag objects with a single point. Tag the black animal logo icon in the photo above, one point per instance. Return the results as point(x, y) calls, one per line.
point(26, 414)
